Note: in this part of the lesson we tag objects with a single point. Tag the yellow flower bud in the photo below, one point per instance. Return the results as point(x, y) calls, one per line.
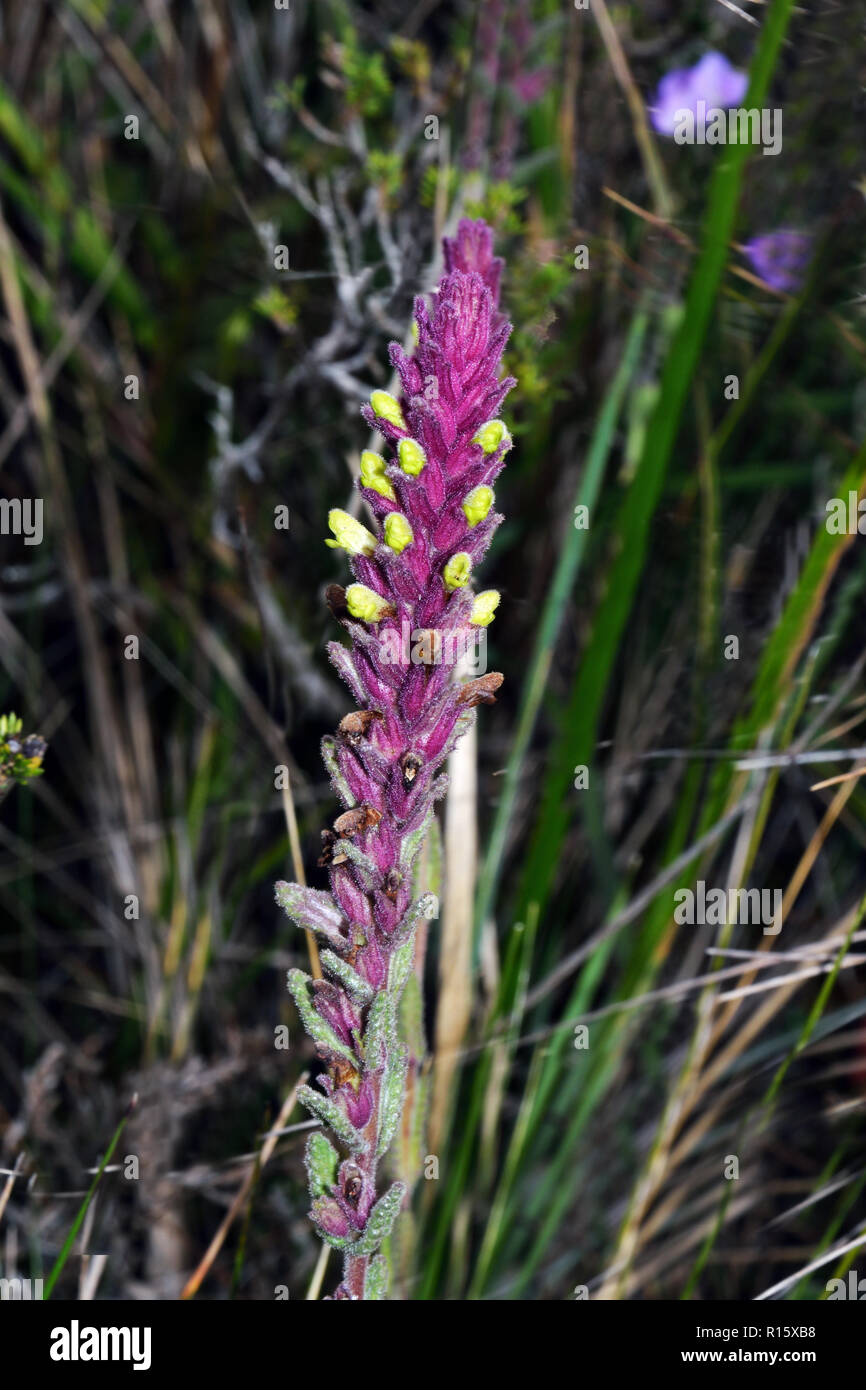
point(350, 534)
point(398, 532)
point(477, 503)
point(456, 572)
point(365, 604)
point(387, 407)
point(373, 475)
point(484, 607)
point(412, 457)
point(491, 435)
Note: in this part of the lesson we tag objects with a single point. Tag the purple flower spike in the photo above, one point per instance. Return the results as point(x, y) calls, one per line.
point(712, 81)
point(780, 258)
point(410, 615)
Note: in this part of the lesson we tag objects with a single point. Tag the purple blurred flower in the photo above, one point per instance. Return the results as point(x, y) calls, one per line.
point(780, 258)
point(712, 80)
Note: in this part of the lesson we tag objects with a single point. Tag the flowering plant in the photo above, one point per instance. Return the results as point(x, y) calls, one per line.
point(20, 756)
point(781, 258)
point(711, 83)
point(432, 505)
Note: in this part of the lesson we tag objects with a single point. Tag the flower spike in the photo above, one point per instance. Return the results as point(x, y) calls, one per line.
point(431, 492)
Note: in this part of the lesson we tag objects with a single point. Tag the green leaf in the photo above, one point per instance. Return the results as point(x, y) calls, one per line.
point(319, 1030)
point(392, 1096)
point(357, 857)
point(322, 1162)
point(331, 761)
point(411, 1016)
point(330, 1113)
point(412, 844)
point(425, 906)
point(400, 967)
point(376, 1280)
point(428, 869)
point(312, 910)
point(380, 1034)
point(359, 989)
point(381, 1220)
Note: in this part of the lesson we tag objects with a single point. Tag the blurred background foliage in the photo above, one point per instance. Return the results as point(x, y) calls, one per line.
point(167, 384)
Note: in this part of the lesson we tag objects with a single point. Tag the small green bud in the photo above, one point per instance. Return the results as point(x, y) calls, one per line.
point(365, 604)
point(398, 532)
point(387, 407)
point(412, 457)
point(484, 607)
point(491, 435)
point(456, 572)
point(373, 475)
point(350, 534)
point(477, 503)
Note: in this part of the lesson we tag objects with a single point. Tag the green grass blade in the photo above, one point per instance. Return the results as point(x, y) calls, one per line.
point(567, 569)
point(584, 711)
point(82, 1211)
